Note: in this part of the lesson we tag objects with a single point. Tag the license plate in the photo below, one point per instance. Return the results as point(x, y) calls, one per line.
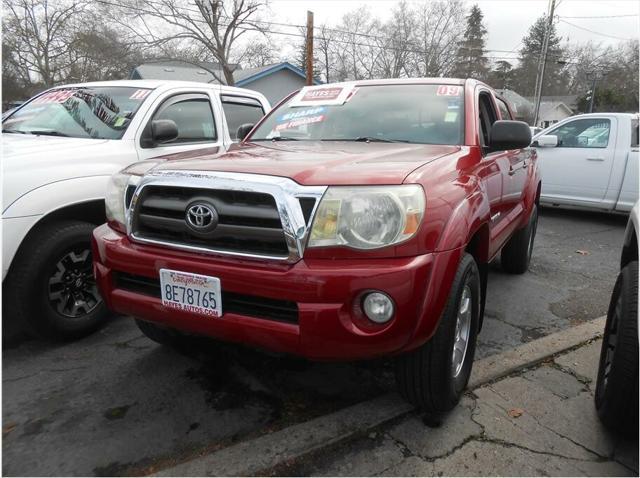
point(191, 292)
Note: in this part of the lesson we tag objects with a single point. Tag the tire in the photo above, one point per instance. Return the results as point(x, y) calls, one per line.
point(427, 377)
point(50, 290)
point(616, 394)
point(516, 253)
point(162, 335)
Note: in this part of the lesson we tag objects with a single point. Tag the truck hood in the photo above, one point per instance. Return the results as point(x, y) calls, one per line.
point(321, 162)
point(31, 161)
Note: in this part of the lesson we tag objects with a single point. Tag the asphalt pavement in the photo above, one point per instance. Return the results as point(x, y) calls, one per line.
point(117, 403)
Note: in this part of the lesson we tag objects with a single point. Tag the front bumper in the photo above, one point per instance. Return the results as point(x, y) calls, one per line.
point(328, 324)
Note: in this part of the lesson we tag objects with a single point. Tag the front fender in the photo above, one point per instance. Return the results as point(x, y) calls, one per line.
point(56, 195)
point(30, 208)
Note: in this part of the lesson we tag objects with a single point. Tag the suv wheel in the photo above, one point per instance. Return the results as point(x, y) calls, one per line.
point(51, 289)
point(617, 383)
point(434, 376)
point(516, 254)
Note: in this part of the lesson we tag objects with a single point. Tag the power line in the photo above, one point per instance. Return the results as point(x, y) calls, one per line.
point(593, 31)
point(605, 16)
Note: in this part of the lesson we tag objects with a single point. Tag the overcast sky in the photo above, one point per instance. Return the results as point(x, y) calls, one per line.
point(507, 21)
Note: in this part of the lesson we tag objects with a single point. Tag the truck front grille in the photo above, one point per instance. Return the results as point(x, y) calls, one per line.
point(247, 222)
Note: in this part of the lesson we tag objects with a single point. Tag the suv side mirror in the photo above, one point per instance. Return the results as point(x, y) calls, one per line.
point(508, 134)
point(243, 130)
point(547, 140)
point(163, 131)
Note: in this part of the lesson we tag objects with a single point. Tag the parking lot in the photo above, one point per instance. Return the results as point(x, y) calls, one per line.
point(116, 403)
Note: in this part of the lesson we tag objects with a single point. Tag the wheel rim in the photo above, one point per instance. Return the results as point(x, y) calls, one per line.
point(72, 289)
point(611, 341)
point(463, 330)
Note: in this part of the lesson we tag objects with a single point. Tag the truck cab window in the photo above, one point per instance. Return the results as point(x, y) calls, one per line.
point(193, 115)
point(584, 133)
point(504, 110)
point(240, 110)
point(635, 132)
point(487, 118)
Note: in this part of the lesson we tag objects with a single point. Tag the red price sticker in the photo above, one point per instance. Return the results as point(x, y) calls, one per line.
point(449, 90)
point(58, 96)
point(322, 94)
point(139, 94)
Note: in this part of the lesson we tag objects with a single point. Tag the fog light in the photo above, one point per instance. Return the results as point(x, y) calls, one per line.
point(378, 307)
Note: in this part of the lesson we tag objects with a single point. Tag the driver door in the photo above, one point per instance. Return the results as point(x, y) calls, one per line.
point(577, 170)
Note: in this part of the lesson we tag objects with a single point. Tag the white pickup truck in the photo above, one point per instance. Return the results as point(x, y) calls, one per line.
point(590, 161)
point(59, 151)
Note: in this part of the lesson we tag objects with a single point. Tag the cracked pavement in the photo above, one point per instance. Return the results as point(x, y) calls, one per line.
point(116, 403)
point(540, 421)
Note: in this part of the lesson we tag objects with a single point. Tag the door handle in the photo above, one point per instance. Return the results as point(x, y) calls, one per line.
point(595, 158)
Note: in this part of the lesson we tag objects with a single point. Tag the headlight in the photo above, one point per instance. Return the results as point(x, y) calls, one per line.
point(120, 191)
point(367, 217)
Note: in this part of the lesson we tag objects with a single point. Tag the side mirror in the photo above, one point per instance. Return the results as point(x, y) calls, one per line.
point(243, 130)
point(547, 141)
point(163, 131)
point(507, 134)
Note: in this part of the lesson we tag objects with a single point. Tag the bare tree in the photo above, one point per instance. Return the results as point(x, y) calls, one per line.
point(396, 43)
point(440, 26)
point(324, 45)
point(213, 25)
point(41, 36)
point(257, 54)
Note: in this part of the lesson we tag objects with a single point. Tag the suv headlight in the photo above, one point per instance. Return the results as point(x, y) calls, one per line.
point(367, 217)
point(120, 191)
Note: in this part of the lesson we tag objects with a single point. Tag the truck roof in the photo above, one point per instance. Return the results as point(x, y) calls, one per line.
point(402, 81)
point(155, 84)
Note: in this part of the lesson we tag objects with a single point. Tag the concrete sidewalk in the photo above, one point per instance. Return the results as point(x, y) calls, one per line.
point(538, 421)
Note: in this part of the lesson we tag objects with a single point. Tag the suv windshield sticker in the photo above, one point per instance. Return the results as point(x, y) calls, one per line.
point(318, 95)
point(449, 90)
point(301, 113)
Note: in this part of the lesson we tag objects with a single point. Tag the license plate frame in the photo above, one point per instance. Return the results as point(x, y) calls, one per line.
point(189, 292)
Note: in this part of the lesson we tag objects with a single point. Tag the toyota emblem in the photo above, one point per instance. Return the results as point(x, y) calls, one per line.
point(201, 217)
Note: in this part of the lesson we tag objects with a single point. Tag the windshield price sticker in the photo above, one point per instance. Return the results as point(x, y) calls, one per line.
point(321, 95)
point(449, 90)
point(58, 96)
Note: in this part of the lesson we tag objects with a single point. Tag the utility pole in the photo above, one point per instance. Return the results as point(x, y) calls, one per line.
point(309, 48)
point(595, 77)
point(543, 62)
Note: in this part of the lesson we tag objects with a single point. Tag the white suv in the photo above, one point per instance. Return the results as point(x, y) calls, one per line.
point(60, 149)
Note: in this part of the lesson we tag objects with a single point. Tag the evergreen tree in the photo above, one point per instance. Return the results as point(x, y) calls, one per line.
point(501, 76)
point(471, 61)
point(526, 73)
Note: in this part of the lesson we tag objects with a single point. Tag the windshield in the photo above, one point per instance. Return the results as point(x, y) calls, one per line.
point(428, 114)
point(83, 112)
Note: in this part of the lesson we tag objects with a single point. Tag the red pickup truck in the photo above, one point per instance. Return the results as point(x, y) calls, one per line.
point(356, 220)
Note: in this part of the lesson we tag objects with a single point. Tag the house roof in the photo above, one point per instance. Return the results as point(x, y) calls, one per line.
point(569, 100)
point(175, 69)
point(547, 107)
point(243, 77)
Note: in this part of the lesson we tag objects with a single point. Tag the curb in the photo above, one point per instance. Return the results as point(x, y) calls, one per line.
point(254, 456)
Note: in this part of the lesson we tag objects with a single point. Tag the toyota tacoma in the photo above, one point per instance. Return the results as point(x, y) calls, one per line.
point(356, 220)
